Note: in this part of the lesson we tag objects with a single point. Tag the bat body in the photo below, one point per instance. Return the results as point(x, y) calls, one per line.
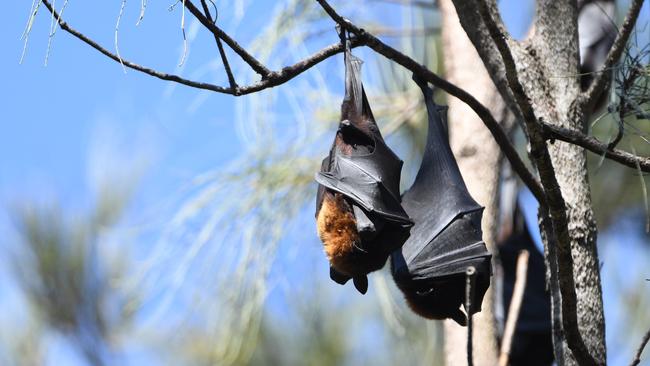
point(446, 238)
point(358, 213)
point(596, 32)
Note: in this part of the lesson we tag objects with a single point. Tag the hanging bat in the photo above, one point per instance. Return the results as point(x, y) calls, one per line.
point(359, 216)
point(596, 32)
point(446, 239)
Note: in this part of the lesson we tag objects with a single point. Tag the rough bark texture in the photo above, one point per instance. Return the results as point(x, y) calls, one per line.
point(478, 157)
point(547, 68)
point(556, 44)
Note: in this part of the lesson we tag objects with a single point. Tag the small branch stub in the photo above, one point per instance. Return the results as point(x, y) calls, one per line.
point(470, 279)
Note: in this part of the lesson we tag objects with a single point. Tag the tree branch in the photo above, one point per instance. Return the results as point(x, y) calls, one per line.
point(557, 205)
point(224, 59)
point(501, 38)
point(515, 305)
point(475, 29)
point(597, 147)
point(274, 78)
point(250, 60)
point(600, 83)
point(639, 351)
point(418, 69)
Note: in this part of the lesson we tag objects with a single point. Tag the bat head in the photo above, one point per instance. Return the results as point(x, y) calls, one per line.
point(441, 300)
point(355, 242)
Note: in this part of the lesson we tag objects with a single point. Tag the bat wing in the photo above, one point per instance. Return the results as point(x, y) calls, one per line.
point(371, 179)
point(446, 238)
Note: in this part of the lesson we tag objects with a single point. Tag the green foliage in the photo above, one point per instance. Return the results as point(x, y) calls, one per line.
point(65, 279)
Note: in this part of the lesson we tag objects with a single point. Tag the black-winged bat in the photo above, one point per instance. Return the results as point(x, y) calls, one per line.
point(446, 238)
point(358, 213)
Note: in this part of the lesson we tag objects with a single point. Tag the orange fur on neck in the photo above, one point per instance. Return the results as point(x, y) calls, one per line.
point(338, 232)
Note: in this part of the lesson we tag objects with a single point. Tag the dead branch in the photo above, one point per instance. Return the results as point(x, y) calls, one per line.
point(247, 57)
point(515, 306)
point(274, 78)
point(222, 52)
point(639, 351)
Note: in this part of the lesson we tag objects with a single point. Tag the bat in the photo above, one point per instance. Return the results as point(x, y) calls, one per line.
point(596, 33)
point(358, 213)
point(430, 267)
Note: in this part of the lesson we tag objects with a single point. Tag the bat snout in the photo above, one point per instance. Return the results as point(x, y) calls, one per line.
point(368, 225)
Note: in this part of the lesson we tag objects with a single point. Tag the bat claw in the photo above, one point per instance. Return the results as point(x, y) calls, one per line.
point(338, 277)
point(459, 317)
point(361, 283)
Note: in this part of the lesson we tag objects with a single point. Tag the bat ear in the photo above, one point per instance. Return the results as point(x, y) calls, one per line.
point(338, 277)
point(459, 317)
point(361, 283)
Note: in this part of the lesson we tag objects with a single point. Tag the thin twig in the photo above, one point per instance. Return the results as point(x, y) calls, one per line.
point(143, 8)
point(644, 189)
point(53, 33)
point(515, 306)
point(117, 30)
point(224, 59)
point(271, 79)
point(274, 78)
point(470, 279)
point(639, 351)
point(247, 57)
point(184, 36)
point(598, 86)
point(53, 25)
point(589, 143)
point(28, 29)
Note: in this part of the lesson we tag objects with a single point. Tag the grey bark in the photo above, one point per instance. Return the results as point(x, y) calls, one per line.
point(556, 43)
point(547, 68)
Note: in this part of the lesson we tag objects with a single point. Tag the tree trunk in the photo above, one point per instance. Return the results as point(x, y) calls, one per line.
point(554, 48)
point(479, 158)
point(547, 67)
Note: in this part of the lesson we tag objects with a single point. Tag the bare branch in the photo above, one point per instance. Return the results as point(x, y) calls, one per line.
point(597, 147)
point(637, 356)
point(274, 78)
point(224, 59)
point(470, 282)
point(501, 38)
point(250, 60)
point(515, 306)
point(598, 86)
point(418, 69)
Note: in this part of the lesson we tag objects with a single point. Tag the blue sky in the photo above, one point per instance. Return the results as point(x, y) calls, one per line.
point(66, 125)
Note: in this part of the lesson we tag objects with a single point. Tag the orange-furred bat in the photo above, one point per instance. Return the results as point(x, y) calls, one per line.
point(358, 212)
